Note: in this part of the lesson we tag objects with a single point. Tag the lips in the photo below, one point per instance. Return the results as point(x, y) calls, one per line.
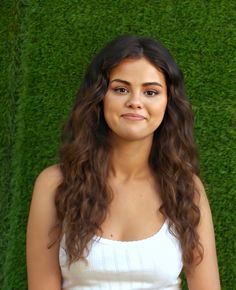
point(131, 116)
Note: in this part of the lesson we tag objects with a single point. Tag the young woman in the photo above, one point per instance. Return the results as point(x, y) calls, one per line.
point(124, 208)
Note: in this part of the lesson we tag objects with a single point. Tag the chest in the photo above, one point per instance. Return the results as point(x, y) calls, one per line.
point(134, 211)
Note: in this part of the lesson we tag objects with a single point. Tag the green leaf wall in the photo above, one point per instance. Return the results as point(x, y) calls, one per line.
point(45, 47)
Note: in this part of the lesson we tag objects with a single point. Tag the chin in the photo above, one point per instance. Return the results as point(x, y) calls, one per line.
point(132, 137)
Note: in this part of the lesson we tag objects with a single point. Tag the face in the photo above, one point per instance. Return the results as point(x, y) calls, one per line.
point(136, 99)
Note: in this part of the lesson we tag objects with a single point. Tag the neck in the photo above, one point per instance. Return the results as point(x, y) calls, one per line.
point(130, 160)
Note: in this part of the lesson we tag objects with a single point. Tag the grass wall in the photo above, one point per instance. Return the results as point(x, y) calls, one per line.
point(45, 47)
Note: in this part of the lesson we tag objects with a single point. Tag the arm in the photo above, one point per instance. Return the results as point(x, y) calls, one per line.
point(205, 276)
point(42, 263)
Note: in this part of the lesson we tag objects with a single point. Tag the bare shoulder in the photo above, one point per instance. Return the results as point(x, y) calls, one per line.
point(197, 182)
point(50, 176)
point(44, 190)
point(42, 213)
point(47, 181)
point(201, 198)
point(42, 262)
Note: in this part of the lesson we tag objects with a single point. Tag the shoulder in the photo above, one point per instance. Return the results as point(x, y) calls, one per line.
point(51, 175)
point(44, 190)
point(198, 183)
point(42, 214)
point(42, 261)
point(48, 180)
point(201, 197)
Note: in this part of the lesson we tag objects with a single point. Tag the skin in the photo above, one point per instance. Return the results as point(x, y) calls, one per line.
point(135, 87)
point(132, 215)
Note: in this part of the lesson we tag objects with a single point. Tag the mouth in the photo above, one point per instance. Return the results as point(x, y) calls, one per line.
point(133, 117)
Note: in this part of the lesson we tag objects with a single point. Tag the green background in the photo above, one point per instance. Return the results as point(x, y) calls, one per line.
point(45, 46)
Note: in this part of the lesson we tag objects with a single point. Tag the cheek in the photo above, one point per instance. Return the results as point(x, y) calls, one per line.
point(164, 106)
point(108, 109)
point(159, 108)
point(110, 105)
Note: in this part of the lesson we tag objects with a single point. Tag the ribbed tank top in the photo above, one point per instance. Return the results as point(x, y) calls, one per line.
point(151, 263)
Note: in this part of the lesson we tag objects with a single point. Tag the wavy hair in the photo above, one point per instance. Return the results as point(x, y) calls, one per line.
point(83, 197)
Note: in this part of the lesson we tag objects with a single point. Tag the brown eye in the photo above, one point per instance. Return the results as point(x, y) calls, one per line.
point(151, 93)
point(120, 90)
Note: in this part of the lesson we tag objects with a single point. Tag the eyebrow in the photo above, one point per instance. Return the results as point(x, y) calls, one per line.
point(144, 84)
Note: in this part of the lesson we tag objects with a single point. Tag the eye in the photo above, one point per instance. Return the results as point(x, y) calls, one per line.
point(120, 90)
point(151, 93)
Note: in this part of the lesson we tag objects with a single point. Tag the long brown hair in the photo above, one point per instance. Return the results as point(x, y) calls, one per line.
point(83, 197)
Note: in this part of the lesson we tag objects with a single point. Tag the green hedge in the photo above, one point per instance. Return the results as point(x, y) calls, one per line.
point(45, 47)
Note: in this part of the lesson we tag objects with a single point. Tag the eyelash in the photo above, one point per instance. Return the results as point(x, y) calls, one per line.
point(118, 90)
point(154, 92)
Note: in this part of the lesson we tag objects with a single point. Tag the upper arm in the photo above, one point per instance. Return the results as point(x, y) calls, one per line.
point(205, 275)
point(42, 263)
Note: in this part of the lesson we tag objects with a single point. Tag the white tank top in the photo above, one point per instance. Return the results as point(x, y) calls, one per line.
point(151, 263)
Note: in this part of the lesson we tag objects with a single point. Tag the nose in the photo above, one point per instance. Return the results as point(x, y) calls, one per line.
point(134, 101)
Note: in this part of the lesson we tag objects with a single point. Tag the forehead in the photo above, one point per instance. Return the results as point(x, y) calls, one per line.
point(137, 70)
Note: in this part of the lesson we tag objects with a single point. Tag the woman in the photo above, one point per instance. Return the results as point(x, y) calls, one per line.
point(124, 208)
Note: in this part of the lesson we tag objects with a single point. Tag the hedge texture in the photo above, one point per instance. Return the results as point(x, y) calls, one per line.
point(45, 47)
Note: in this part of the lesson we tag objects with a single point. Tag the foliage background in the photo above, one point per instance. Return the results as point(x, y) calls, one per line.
point(45, 47)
